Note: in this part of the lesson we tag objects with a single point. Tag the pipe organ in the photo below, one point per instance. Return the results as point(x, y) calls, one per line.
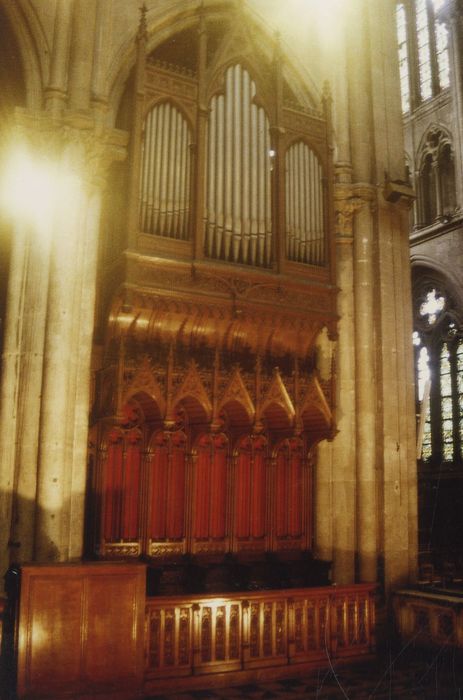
point(238, 226)
point(305, 237)
point(209, 404)
point(165, 173)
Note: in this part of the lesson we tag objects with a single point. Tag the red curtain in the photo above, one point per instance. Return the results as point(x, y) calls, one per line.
point(250, 488)
point(168, 473)
point(121, 485)
point(210, 491)
point(289, 489)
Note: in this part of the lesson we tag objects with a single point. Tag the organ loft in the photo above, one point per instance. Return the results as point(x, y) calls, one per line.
point(207, 418)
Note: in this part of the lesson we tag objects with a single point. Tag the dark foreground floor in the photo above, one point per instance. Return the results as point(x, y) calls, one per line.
point(415, 675)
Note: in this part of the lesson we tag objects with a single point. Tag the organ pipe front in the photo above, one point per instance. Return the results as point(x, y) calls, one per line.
point(234, 207)
point(238, 208)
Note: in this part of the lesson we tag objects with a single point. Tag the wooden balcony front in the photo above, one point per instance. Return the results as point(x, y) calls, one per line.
point(206, 641)
point(88, 630)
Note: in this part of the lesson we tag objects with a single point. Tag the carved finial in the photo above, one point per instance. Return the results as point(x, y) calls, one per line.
point(142, 26)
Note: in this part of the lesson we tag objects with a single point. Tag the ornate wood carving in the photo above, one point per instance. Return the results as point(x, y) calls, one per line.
point(268, 629)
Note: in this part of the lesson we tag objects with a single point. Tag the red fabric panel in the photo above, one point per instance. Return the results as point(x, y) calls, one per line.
point(113, 488)
point(202, 493)
point(281, 496)
point(131, 494)
point(159, 466)
point(176, 494)
point(258, 494)
point(218, 481)
point(295, 494)
point(242, 494)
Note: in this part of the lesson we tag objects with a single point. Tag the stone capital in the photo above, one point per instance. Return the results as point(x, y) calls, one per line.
point(346, 203)
point(75, 142)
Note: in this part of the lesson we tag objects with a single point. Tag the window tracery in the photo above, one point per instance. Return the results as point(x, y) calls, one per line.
point(438, 341)
point(436, 190)
point(422, 40)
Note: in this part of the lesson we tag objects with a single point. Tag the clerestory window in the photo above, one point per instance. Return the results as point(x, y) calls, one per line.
point(438, 342)
point(422, 39)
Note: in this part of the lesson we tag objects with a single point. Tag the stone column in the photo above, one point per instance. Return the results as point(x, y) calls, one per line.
point(335, 534)
point(361, 134)
point(395, 420)
point(366, 400)
point(22, 360)
point(68, 347)
point(56, 92)
point(48, 342)
point(82, 52)
point(344, 445)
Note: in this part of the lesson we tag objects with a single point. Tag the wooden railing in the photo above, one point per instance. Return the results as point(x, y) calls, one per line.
point(190, 637)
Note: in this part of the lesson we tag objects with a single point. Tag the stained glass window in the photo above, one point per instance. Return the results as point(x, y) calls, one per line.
point(424, 374)
point(442, 53)
point(446, 404)
point(438, 346)
point(422, 38)
point(401, 19)
point(432, 306)
point(424, 49)
point(460, 393)
point(424, 387)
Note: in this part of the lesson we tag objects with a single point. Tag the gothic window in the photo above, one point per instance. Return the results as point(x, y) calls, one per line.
point(436, 186)
point(401, 18)
point(442, 54)
point(428, 190)
point(422, 40)
point(438, 341)
point(446, 169)
point(424, 49)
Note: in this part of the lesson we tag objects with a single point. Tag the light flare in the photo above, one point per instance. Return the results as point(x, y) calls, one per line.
point(34, 190)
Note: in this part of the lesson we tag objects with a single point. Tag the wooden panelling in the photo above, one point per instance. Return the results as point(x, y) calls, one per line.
point(429, 618)
point(80, 629)
point(195, 636)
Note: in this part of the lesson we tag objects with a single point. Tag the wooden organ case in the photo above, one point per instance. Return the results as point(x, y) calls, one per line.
point(217, 284)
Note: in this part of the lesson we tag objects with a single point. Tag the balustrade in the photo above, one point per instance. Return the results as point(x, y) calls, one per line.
point(244, 632)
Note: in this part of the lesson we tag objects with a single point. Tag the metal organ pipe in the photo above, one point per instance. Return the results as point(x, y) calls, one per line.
point(165, 173)
point(304, 206)
point(238, 197)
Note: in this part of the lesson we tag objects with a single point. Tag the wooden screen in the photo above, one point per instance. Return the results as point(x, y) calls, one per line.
point(217, 495)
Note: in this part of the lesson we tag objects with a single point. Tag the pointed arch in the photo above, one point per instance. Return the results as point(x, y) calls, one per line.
point(236, 401)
